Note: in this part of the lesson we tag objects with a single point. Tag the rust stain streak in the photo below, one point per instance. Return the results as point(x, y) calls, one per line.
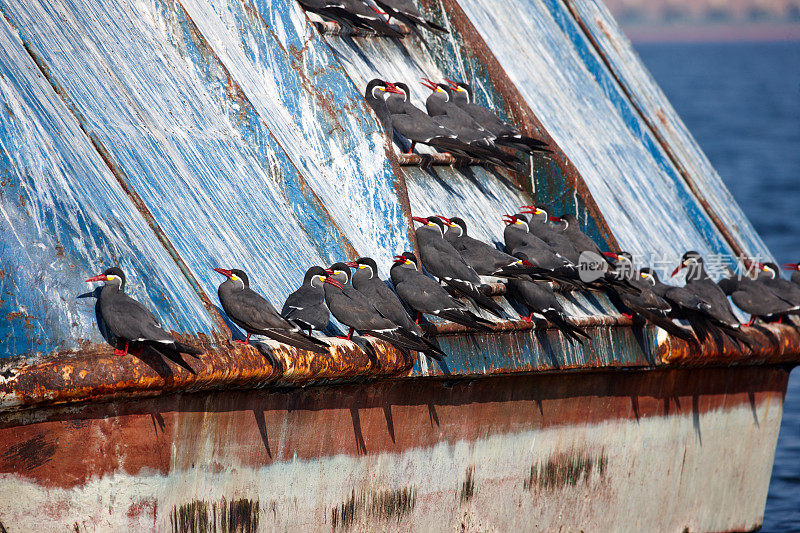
point(95, 374)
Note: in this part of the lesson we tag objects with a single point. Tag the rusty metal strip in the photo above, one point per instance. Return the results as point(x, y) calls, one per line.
point(437, 159)
point(96, 374)
point(522, 115)
point(775, 344)
point(663, 143)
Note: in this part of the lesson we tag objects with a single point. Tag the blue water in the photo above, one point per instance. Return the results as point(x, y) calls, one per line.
point(741, 101)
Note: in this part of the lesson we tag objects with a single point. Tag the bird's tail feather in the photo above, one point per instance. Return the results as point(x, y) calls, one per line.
point(298, 340)
point(560, 322)
point(466, 318)
point(473, 293)
point(185, 348)
point(436, 27)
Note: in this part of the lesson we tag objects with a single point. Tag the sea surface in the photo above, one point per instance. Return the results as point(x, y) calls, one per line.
point(741, 101)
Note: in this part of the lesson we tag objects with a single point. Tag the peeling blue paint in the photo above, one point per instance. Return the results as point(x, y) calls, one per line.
point(240, 134)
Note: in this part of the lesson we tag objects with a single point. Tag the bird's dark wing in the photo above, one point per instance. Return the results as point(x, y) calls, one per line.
point(255, 311)
point(405, 7)
point(388, 304)
point(683, 298)
point(306, 308)
point(489, 120)
point(425, 295)
point(351, 308)
point(303, 298)
point(420, 130)
point(130, 320)
point(710, 293)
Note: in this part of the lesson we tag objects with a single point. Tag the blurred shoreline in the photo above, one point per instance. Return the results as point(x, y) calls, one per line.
point(719, 33)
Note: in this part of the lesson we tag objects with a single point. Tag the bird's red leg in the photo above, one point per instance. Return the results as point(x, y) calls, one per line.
point(348, 337)
point(246, 341)
point(752, 320)
point(138, 351)
point(626, 315)
point(780, 319)
point(411, 150)
point(419, 316)
point(117, 351)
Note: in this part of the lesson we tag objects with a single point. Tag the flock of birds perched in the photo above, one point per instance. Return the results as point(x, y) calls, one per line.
point(353, 14)
point(539, 251)
point(453, 123)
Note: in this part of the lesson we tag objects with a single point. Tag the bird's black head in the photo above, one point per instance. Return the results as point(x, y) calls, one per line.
point(518, 221)
point(693, 261)
point(439, 90)
point(111, 276)
point(340, 272)
point(315, 276)
point(770, 269)
point(405, 92)
point(692, 256)
point(467, 88)
point(458, 94)
point(430, 222)
point(375, 83)
point(625, 256)
point(649, 275)
point(235, 275)
point(458, 224)
point(377, 88)
point(570, 220)
point(407, 260)
point(537, 212)
point(437, 222)
point(367, 264)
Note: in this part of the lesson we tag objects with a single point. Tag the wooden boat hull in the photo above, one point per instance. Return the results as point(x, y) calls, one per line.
point(659, 450)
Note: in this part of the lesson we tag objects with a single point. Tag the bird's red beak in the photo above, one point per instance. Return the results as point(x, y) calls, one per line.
point(399, 259)
point(352, 264)
point(509, 219)
point(328, 271)
point(677, 269)
point(445, 219)
point(100, 277)
point(612, 255)
point(225, 272)
point(333, 282)
point(452, 84)
point(392, 88)
point(790, 266)
point(420, 220)
point(429, 84)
